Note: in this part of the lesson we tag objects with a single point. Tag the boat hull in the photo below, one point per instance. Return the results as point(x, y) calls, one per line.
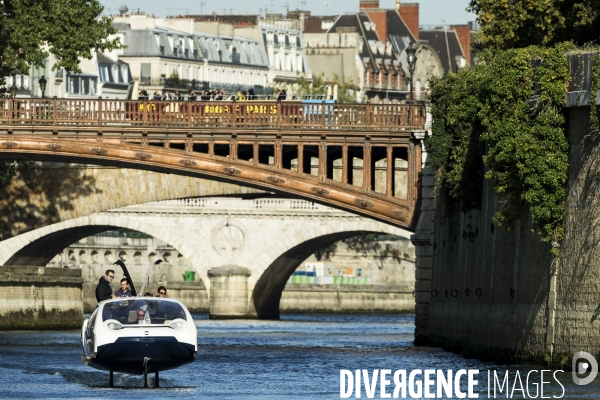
point(127, 354)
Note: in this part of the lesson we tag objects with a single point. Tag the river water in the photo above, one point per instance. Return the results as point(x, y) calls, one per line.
point(298, 357)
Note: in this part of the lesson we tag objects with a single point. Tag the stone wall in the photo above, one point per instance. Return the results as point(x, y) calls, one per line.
point(501, 294)
point(575, 302)
point(40, 298)
point(297, 298)
point(489, 287)
point(46, 193)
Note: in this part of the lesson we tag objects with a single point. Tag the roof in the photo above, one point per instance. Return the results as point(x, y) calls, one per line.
point(445, 43)
point(371, 49)
point(315, 24)
point(199, 46)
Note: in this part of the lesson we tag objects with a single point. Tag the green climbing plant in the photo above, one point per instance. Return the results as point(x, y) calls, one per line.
point(504, 116)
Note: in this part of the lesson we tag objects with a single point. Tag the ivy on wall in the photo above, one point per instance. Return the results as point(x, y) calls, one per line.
point(504, 116)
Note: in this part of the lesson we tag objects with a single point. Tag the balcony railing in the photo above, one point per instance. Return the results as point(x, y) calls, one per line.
point(291, 115)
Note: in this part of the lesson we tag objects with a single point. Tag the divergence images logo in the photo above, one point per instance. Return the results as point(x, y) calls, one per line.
point(581, 367)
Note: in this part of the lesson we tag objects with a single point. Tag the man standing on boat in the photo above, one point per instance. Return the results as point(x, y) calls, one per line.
point(103, 290)
point(123, 291)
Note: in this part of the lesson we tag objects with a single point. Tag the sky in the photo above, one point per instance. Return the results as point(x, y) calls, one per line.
point(431, 12)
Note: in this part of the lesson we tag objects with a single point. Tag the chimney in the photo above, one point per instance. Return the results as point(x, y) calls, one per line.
point(409, 12)
point(463, 32)
point(368, 4)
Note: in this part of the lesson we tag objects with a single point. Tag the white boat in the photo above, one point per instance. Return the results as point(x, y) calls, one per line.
point(139, 335)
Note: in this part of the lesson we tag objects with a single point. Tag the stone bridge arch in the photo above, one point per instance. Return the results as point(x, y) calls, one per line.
point(38, 247)
point(266, 284)
point(276, 242)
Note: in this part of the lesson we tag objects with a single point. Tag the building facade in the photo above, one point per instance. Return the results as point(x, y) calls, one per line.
point(172, 54)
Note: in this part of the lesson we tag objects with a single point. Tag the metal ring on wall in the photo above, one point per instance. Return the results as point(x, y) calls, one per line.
point(478, 292)
point(434, 293)
point(454, 293)
point(414, 293)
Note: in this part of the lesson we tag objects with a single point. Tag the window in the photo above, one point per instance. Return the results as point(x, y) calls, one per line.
point(86, 85)
point(145, 73)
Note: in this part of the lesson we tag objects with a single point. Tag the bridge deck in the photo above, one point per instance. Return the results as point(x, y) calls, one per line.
point(288, 115)
point(359, 157)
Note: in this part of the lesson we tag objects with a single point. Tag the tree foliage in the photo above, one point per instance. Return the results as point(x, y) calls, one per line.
point(30, 30)
point(506, 24)
point(515, 110)
point(325, 253)
point(318, 86)
point(69, 29)
point(371, 245)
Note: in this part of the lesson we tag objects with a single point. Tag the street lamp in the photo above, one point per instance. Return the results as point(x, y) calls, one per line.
point(13, 90)
point(412, 62)
point(42, 83)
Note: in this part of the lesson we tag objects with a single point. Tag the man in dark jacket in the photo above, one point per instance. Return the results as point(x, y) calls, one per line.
point(103, 290)
point(123, 291)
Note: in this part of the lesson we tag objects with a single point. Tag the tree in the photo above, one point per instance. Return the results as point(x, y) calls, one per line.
point(30, 30)
point(69, 29)
point(370, 244)
point(318, 86)
point(325, 253)
point(508, 24)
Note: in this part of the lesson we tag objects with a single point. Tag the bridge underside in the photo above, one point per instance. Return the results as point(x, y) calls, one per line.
point(267, 292)
point(39, 252)
point(357, 174)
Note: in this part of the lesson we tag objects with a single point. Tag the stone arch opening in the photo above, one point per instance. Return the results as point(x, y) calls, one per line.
point(266, 295)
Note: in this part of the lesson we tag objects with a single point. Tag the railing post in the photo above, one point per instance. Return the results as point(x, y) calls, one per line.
point(99, 110)
point(368, 114)
point(278, 112)
point(234, 114)
point(10, 110)
point(144, 113)
point(54, 110)
point(189, 112)
point(323, 114)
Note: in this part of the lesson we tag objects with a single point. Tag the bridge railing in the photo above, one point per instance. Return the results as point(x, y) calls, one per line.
point(245, 114)
point(284, 204)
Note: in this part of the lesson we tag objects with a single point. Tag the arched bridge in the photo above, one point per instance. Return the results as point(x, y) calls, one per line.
point(359, 157)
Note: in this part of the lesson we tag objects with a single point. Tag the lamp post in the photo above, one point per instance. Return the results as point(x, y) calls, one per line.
point(13, 89)
point(412, 62)
point(42, 83)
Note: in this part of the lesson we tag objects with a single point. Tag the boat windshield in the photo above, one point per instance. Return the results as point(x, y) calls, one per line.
point(134, 311)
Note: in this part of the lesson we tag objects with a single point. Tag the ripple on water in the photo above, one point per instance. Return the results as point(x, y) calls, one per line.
point(297, 357)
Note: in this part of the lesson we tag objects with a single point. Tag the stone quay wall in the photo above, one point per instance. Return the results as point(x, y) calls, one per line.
point(299, 298)
point(296, 298)
point(40, 298)
point(501, 295)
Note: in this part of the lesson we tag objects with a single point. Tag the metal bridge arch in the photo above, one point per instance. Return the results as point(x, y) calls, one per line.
point(251, 144)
